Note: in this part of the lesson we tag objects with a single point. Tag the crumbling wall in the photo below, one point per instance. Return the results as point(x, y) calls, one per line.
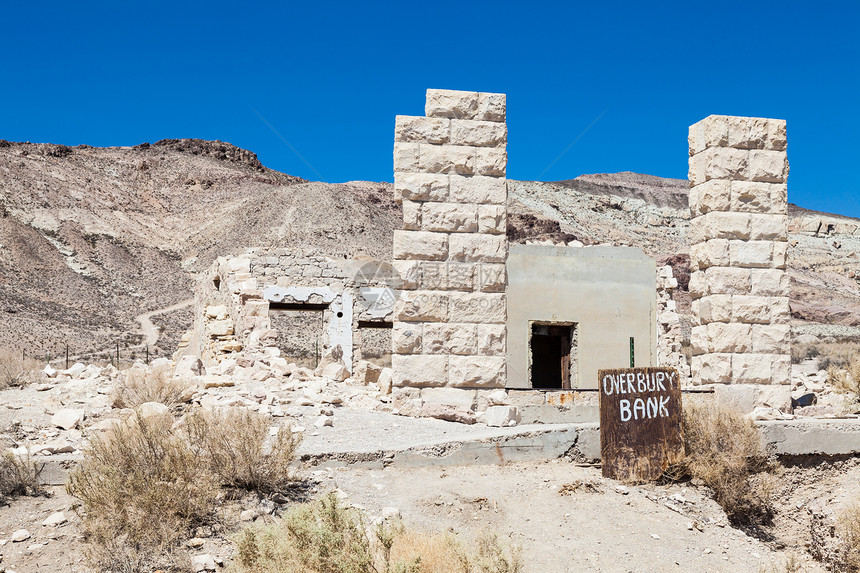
point(449, 173)
point(738, 237)
point(670, 337)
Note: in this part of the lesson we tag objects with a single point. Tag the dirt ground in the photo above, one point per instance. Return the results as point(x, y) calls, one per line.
point(564, 517)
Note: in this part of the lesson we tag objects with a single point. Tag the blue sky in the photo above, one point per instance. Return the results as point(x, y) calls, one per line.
point(330, 77)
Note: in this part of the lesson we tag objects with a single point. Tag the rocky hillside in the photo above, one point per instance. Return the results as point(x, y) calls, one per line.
point(90, 238)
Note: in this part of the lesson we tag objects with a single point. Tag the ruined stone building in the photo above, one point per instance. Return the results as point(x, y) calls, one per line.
point(464, 315)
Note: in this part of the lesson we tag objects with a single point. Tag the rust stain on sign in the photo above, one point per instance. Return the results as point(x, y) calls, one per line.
point(640, 422)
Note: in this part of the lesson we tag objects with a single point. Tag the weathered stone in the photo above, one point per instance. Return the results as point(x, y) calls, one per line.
point(712, 369)
point(220, 328)
point(478, 190)
point(478, 133)
point(422, 306)
point(422, 129)
point(751, 368)
point(409, 274)
point(412, 216)
point(750, 197)
point(502, 416)
point(720, 225)
point(336, 372)
point(216, 311)
point(492, 219)
point(771, 338)
point(699, 341)
point(450, 217)
point(719, 163)
point(729, 337)
point(713, 131)
point(385, 380)
point(476, 247)
point(491, 161)
point(419, 370)
point(483, 308)
point(713, 253)
point(406, 338)
point(406, 156)
point(491, 339)
point(747, 132)
point(722, 280)
point(492, 277)
point(710, 196)
point(447, 159)
point(452, 104)
point(780, 312)
point(420, 245)
point(768, 227)
point(421, 186)
point(769, 282)
point(776, 134)
point(751, 309)
point(149, 410)
point(751, 254)
point(203, 562)
point(491, 107)
point(450, 338)
point(447, 412)
point(780, 254)
point(55, 519)
point(67, 418)
point(715, 308)
point(768, 166)
point(477, 371)
point(451, 396)
point(461, 276)
point(20, 535)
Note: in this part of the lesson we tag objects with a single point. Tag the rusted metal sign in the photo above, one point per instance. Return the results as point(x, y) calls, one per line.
point(640, 422)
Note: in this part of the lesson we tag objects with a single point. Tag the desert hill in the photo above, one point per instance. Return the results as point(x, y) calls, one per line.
point(90, 238)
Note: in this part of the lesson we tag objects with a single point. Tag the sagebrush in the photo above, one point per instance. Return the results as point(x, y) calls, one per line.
point(724, 452)
point(15, 368)
point(19, 475)
point(142, 385)
point(145, 483)
point(328, 537)
point(848, 529)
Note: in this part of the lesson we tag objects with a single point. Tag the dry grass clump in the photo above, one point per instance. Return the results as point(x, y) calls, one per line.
point(19, 475)
point(143, 385)
point(724, 451)
point(145, 483)
point(848, 529)
point(830, 353)
point(15, 369)
point(327, 537)
point(234, 442)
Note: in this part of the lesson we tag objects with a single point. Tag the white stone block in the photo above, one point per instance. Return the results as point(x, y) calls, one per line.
point(422, 306)
point(751, 368)
point(771, 338)
point(768, 227)
point(723, 280)
point(491, 107)
point(477, 371)
point(502, 416)
point(712, 369)
point(419, 370)
point(715, 308)
point(421, 129)
point(780, 255)
point(486, 308)
point(747, 132)
point(406, 338)
point(478, 189)
point(478, 133)
point(698, 284)
point(492, 219)
point(447, 159)
point(751, 309)
point(713, 131)
point(729, 337)
point(780, 370)
point(779, 199)
point(491, 339)
point(451, 396)
point(421, 186)
point(492, 277)
point(434, 276)
point(462, 276)
point(712, 253)
point(767, 166)
point(719, 163)
point(769, 282)
point(714, 195)
point(776, 134)
point(750, 197)
point(751, 254)
point(406, 156)
point(720, 225)
point(699, 342)
point(780, 312)
point(478, 247)
point(451, 338)
point(412, 216)
point(420, 245)
point(491, 161)
point(408, 273)
point(451, 103)
point(450, 217)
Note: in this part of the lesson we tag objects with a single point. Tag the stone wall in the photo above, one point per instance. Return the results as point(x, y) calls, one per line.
point(449, 173)
point(738, 237)
point(670, 338)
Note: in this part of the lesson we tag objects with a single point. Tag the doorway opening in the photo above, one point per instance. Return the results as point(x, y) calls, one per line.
point(300, 331)
point(552, 355)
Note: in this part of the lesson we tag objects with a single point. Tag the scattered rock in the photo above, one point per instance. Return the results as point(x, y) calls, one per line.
point(498, 416)
point(67, 418)
point(20, 535)
point(55, 519)
point(203, 562)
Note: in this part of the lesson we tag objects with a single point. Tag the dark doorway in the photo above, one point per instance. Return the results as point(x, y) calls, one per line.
point(300, 331)
point(551, 346)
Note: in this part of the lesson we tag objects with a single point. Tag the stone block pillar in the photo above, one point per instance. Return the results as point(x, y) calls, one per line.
point(738, 246)
point(449, 174)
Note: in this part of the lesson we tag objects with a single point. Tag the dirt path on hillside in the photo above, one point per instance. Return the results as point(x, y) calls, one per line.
point(149, 330)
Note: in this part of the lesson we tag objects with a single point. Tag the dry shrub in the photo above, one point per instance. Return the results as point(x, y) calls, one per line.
point(142, 385)
point(724, 451)
point(147, 481)
point(234, 441)
point(15, 369)
point(327, 537)
point(830, 353)
point(19, 475)
point(141, 488)
point(848, 528)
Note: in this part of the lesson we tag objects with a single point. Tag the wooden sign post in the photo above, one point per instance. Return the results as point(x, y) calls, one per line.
point(640, 422)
